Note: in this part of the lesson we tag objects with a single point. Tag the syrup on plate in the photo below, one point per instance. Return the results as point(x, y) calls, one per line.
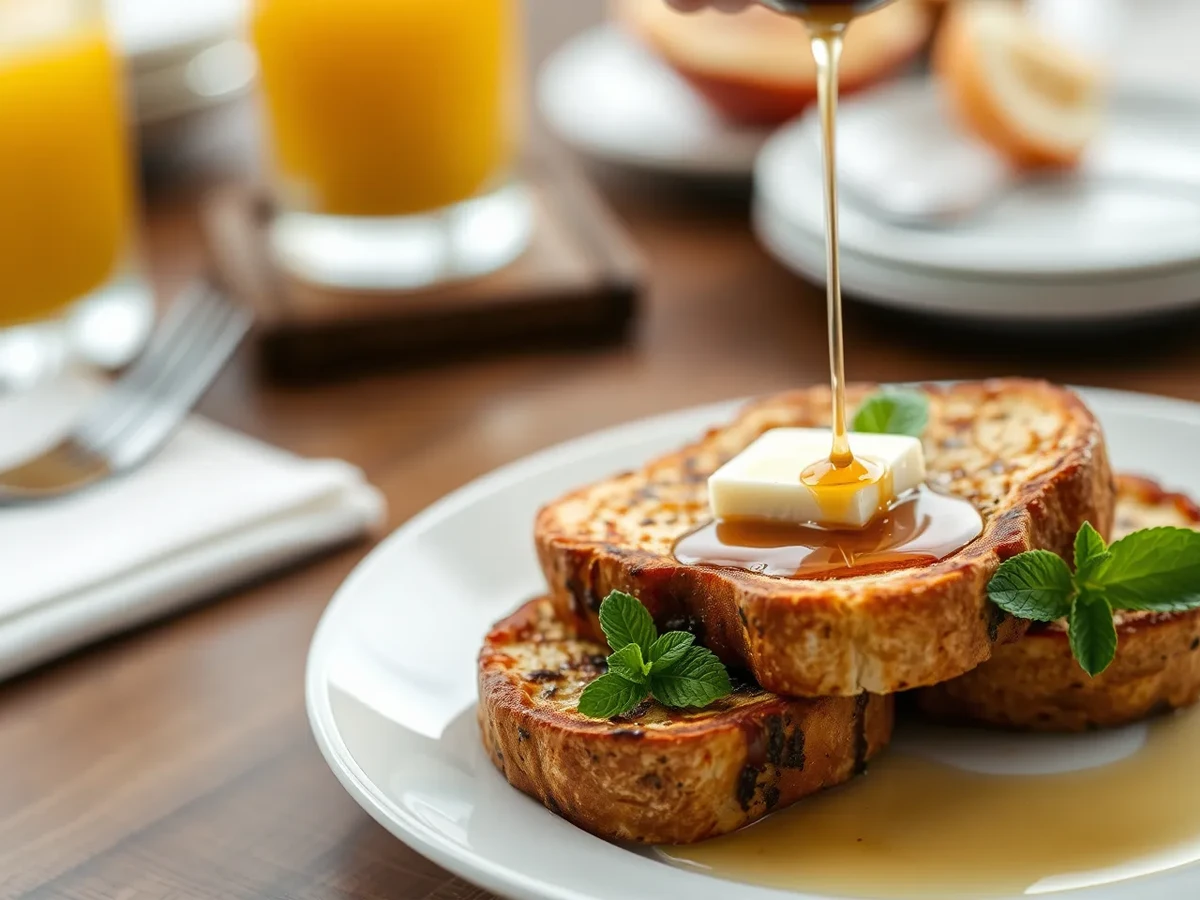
point(912, 828)
point(923, 527)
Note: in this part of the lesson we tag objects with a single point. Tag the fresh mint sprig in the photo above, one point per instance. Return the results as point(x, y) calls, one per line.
point(1155, 569)
point(669, 667)
point(893, 411)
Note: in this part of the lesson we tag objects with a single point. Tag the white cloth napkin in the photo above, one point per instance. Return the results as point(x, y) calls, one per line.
point(213, 509)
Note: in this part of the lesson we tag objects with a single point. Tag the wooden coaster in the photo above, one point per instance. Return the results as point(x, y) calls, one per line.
point(576, 285)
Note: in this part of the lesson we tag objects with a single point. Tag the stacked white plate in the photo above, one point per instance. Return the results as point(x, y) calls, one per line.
point(613, 99)
point(188, 64)
point(1119, 239)
point(183, 55)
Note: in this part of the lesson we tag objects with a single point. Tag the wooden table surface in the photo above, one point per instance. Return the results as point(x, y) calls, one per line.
point(177, 762)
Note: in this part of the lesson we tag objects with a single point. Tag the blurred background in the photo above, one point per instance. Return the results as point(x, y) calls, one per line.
point(1030, 165)
point(465, 231)
point(611, 207)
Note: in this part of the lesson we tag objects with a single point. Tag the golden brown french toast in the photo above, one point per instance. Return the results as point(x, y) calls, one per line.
point(1037, 684)
point(657, 775)
point(1027, 454)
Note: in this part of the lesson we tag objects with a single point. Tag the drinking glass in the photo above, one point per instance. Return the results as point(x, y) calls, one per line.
point(66, 191)
point(392, 127)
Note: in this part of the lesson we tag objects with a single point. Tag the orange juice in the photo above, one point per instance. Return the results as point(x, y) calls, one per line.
point(387, 107)
point(64, 177)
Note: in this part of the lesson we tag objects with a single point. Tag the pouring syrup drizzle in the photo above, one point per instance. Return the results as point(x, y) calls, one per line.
point(893, 540)
point(826, 33)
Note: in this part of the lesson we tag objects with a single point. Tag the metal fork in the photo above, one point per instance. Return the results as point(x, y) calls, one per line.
point(138, 414)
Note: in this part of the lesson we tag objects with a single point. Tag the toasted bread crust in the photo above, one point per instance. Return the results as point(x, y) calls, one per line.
point(657, 776)
point(1036, 684)
point(1040, 469)
point(960, 67)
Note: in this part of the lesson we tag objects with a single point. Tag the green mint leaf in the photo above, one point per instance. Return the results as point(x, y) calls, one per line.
point(669, 649)
point(610, 695)
point(1092, 633)
point(626, 621)
point(627, 663)
point(1090, 552)
point(1155, 568)
point(697, 678)
point(1035, 585)
point(893, 411)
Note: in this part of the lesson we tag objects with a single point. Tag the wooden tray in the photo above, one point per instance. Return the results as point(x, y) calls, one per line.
point(577, 284)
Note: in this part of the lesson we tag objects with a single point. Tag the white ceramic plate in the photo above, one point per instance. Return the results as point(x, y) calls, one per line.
point(184, 56)
point(391, 681)
point(1093, 247)
point(151, 32)
point(613, 99)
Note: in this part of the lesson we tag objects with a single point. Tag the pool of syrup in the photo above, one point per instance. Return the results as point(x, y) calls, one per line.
point(915, 829)
point(923, 527)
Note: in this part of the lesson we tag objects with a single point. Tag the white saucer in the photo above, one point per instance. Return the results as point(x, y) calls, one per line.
point(611, 98)
point(1081, 248)
point(153, 32)
point(390, 683)
point(184, 56)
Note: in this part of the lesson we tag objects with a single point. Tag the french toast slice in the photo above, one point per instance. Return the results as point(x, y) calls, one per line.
point(1029, 455)
point(657, 775)
point(1036, 684)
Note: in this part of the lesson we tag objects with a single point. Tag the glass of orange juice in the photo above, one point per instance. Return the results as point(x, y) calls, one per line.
point(392, 127)
point(66, 210)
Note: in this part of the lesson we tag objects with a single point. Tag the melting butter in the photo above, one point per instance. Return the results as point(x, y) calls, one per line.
point(837, 489)
point(769, 480)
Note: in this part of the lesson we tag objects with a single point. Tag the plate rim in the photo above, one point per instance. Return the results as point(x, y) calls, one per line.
point(479, 870)
point(484, 871)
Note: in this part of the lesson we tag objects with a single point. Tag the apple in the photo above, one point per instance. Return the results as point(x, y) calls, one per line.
point(755, 66)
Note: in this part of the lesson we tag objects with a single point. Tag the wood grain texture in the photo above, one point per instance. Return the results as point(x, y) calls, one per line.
point(576, 285)
point(176, 762)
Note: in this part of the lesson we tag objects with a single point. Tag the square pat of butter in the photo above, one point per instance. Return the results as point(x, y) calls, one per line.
point(763, 481)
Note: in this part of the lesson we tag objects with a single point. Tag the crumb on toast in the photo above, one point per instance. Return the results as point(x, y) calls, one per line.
point(1029, 455)
point(657, 775)
point(1036, 683)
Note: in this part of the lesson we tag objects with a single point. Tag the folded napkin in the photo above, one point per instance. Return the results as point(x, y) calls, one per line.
point(213, 509)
